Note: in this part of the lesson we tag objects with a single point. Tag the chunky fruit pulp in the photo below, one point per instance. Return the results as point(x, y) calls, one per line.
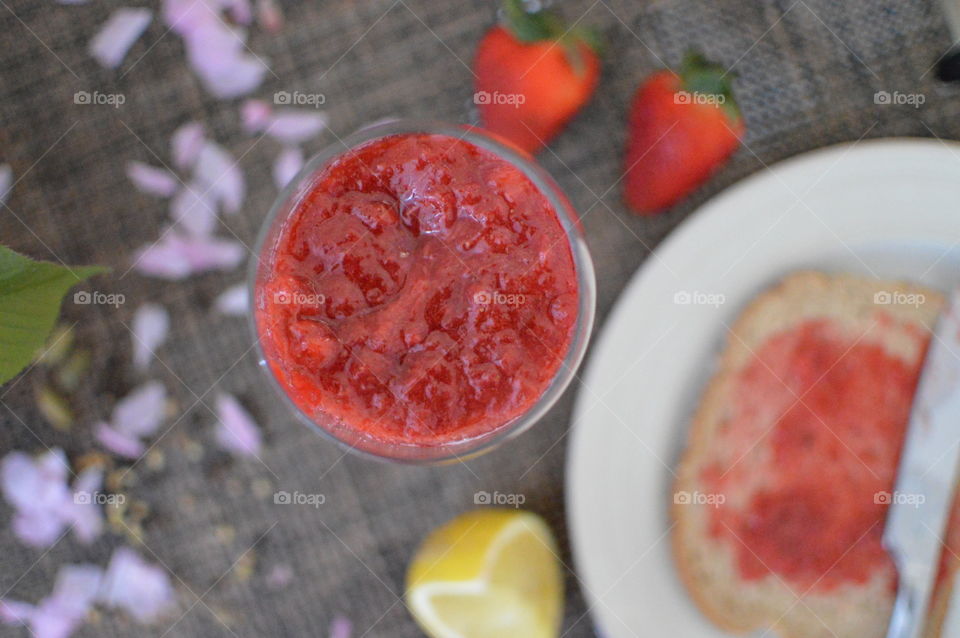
point(818, 419)
point(423, 291)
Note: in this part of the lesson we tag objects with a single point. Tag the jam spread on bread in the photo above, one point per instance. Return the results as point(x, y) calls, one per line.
point(822, 415)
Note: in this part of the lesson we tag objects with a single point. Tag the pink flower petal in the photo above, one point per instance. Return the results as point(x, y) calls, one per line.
point(150, 326)
point(117, 35)
point(44, 504)
point(75, 589)
point(218, 55)
point(142, 411)
point(37, 528)
point(287, 165)
point(177, 256)
point(255, 116)
point(341, 627)
point(61, 613)
point(20, 479)
point(82, 513)
point(269, 16)
point(14, 612)
point(235, 301)
point(141, 589)
point(120, 443)
point(6, 182)
point(151, 179)
point(182, 16)
point(186, 143)
point(194, 209)
point(220, 174)
point(293, 126)
point(34, 484)
point(236, 432)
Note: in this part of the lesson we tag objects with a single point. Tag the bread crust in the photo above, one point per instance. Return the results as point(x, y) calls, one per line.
point(737, 606)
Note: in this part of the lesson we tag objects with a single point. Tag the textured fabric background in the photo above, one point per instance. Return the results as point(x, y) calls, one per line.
point(807, 73)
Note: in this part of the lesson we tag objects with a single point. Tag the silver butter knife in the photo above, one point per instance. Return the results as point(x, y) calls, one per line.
point(920, 504)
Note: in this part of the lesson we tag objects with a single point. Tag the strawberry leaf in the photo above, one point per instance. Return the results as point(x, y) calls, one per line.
point(700, 75)
point(538, 26)
point(30, 296)
point(531, 27)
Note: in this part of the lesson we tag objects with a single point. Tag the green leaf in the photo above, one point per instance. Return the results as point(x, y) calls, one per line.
point(30, 296)
point(700, 75)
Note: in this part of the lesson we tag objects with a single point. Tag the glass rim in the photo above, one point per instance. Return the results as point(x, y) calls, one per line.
point(462, 449)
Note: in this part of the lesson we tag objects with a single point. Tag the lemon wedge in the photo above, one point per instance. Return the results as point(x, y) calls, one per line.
point(490, 573)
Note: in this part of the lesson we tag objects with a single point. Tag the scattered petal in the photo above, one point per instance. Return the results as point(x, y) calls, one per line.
point(151, 179)
point(61, 613)
point(75, 589)
point(255, 116)
point(235, 300)
point(124, 26)
point(141, 412)
point(194, 209)
point(183, 16)
point(44, 504)
point(293, 126)
point(218, 55)
point(177, 256)
point(220, 174)
point(186, 143)
point(341, 627)
point(269, 16)
point(84, 516)
point(237, 432)
point(6, 182)
point(119, 443)
point(287, 165)
point(150, 326)
point(141, 589)
point(14, 612)
point(37, 528)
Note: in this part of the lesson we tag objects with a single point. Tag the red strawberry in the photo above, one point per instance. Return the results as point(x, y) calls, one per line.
point(532, 75)
point(681, 129)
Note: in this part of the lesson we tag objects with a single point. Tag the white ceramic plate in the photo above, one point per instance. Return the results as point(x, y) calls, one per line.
point(889, 208)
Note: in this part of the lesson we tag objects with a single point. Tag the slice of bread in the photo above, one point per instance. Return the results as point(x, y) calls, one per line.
point(780, 495)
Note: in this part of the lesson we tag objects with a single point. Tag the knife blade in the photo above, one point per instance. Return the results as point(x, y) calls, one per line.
point(927, 474)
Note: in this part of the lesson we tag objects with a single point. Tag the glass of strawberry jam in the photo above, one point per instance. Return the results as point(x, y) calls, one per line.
point(423, 292)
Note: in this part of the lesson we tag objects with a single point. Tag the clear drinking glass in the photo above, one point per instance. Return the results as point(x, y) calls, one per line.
point(357, 441)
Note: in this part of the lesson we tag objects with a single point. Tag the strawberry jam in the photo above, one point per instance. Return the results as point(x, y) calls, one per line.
point(814, 433)
point(422, 291)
